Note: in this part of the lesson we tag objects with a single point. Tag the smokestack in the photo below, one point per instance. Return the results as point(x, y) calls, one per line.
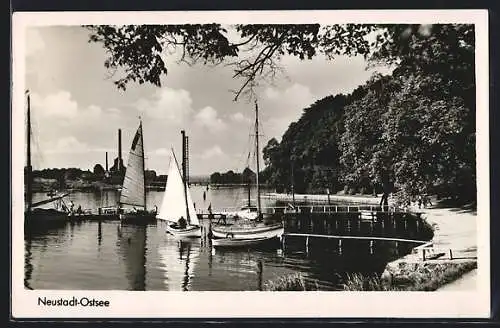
point(120, 148)
point(106, 161)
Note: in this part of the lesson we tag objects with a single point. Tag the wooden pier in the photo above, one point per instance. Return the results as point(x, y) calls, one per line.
point(363, 224)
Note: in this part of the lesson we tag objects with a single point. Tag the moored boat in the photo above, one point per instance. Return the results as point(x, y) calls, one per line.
point(252, 225)
point(33, 213)
point(249, 231)
point(177, 207)
point(132, 204)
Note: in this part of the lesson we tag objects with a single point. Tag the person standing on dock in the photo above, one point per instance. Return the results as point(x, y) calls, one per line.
point(386, 187)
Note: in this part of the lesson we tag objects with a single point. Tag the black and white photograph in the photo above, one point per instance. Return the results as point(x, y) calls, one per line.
point(207, 164)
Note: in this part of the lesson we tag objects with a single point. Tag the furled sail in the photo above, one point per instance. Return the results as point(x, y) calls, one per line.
point(173, 205)
point(133, 189)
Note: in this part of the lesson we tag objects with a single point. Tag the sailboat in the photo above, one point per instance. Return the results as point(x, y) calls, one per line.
point(33, 212)
point(133, 193)
point(177, 203)
point(250, 231)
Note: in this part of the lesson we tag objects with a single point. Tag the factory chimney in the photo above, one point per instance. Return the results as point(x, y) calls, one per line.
point(106, 161)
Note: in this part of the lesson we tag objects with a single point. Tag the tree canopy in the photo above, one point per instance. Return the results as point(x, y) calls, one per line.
point(413, 130)
point(253, 51)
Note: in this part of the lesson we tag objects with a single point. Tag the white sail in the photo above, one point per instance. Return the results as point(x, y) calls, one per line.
point(133, 189)
point(173, 205)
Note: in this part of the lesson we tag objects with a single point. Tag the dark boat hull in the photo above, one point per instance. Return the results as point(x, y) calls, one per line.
point(138, 217)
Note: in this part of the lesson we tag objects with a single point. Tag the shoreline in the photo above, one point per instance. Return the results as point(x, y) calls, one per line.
point(454, 244)
point(447, 262)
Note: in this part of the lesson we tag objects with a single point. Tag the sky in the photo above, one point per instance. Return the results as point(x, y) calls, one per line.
point(77, 110)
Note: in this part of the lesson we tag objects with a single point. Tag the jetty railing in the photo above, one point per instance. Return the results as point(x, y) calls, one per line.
point(365, 210)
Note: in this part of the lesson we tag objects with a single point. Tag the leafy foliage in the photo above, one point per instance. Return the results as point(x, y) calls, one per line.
point(412, 132)
point(141, 50)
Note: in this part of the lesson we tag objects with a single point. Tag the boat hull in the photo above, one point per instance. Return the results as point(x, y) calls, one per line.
point(258, 232)
point(239, 243)
point(188, 232)
point(138, 217)
point(41, 215)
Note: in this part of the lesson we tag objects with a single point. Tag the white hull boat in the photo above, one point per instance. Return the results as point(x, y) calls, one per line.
point(239, 232)
point(187, 232)
point(251, 226)
point(178, 204)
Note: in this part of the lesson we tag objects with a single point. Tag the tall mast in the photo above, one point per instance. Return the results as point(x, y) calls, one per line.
point(184, 172)
point(143, 163)
point(293, 186)
point(257, 153)
point(29, 190)
point(248, 190)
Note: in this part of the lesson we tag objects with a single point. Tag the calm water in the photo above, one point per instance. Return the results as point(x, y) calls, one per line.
point(114, 256)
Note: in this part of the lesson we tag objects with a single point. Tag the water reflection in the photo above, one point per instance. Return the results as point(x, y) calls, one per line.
point(111, 255)
point(179, 259)
point(132, 248)
point(28, 266)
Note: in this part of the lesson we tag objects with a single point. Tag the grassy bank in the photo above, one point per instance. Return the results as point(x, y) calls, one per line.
point(292, 282)
point(425, 277)
point(420, 277)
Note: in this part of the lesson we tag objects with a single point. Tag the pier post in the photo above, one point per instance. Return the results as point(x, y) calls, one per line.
point(451, 254)
point(283, 242)
point(307, 244)
point(340, 247)
point(371, 247)
point(348, 225)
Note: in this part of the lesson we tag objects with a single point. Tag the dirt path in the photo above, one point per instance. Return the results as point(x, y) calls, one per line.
point(465, 283)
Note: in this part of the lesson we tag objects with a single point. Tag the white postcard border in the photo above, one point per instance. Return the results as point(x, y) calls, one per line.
point(157, 304)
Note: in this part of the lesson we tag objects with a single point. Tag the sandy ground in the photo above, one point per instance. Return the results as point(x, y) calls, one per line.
point(466, 282)
point(454, 229)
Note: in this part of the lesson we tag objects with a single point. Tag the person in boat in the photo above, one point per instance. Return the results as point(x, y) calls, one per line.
point(182, 222)
point(79, 209)
point(71, 207)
